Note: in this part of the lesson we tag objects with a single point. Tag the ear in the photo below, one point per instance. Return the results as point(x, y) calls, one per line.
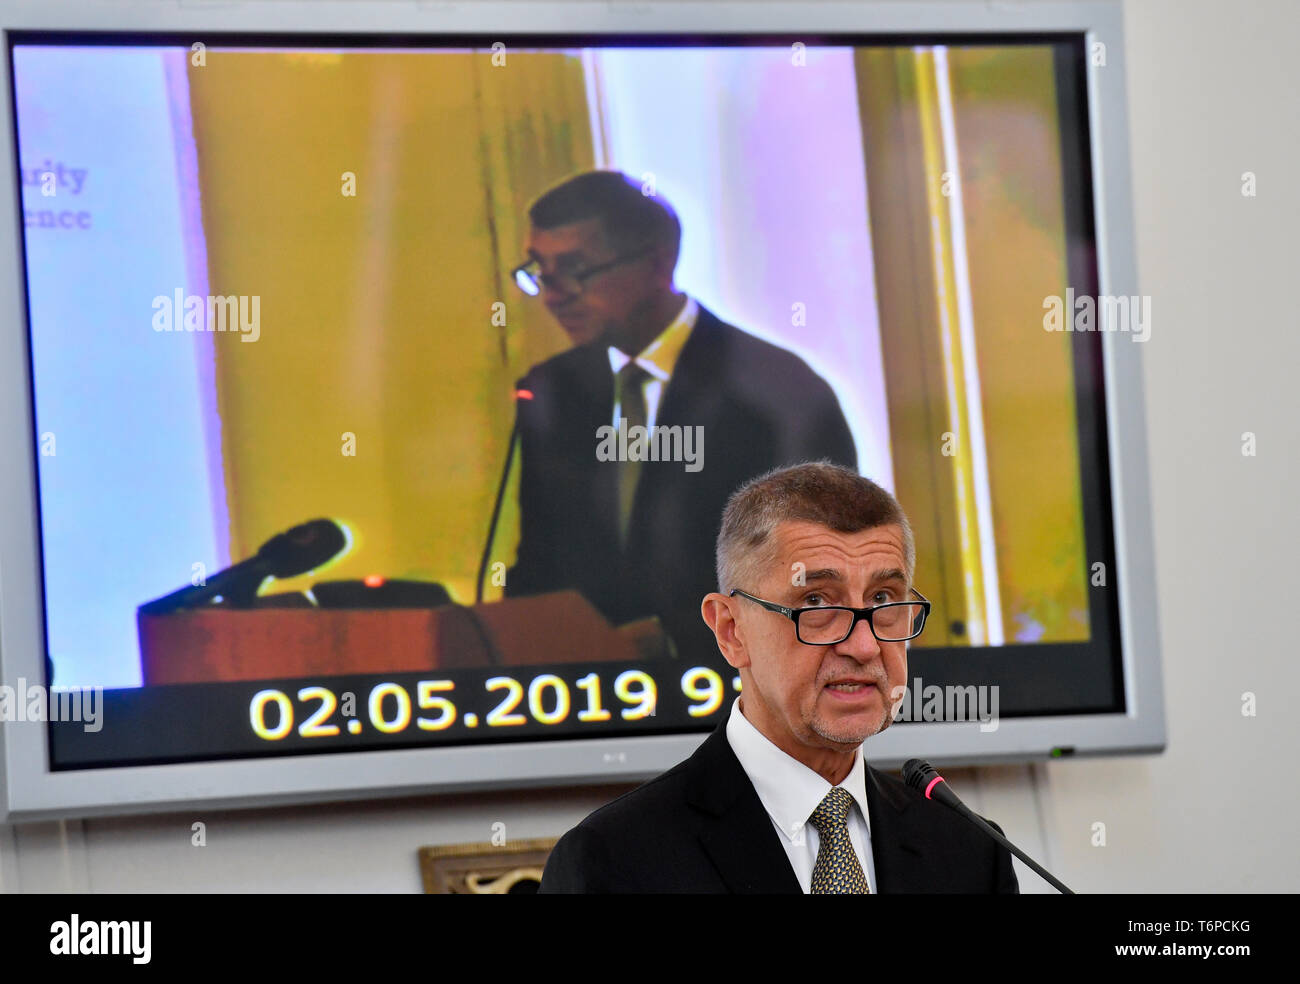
point(663, 264)
point(717, 612)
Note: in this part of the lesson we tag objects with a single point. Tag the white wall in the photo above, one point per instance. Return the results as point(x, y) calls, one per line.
point(1212, 94)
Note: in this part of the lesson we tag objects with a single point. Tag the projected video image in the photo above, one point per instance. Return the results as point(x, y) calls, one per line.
point(418, 379)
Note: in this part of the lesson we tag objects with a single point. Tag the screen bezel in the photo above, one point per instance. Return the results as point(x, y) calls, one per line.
point(33, 790)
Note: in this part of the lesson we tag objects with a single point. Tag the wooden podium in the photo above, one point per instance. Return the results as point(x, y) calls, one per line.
point(216, 644)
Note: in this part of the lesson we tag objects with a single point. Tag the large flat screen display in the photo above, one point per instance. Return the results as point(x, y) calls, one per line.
point(361, 418)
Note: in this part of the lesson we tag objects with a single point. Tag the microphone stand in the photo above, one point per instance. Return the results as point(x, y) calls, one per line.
point(496, 508)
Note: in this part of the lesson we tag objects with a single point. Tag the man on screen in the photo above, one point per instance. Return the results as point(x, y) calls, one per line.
point(635, 536)
point(814, 609)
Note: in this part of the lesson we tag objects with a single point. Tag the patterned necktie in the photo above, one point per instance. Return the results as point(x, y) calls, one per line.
point(837, 871)
point(630, 392)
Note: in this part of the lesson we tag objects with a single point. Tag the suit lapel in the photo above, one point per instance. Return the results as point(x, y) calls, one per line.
point(738, 836)
point(697, 385)
point(737, 832)
point(694, 397)
point(586, 394)
point(900, 860)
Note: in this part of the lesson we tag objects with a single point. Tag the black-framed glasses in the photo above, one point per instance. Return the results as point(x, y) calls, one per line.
point(827, 625)
point(529, 278)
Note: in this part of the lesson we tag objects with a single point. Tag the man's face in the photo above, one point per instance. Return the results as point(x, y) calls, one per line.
point(605, 302)
point(794, 698)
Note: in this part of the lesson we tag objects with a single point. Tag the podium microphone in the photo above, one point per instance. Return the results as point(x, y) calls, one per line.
point(520, 394)
point(287, 554)
point(922, 777)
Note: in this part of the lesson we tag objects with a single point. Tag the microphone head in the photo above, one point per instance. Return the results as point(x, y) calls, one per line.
point(919, 774)
point(301, 549)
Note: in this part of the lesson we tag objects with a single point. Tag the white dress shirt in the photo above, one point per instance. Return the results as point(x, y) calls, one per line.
point(790, 791)
point(646, 359)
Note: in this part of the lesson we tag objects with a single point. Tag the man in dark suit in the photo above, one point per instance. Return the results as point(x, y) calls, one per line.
point(636, 537)
point(815, 609)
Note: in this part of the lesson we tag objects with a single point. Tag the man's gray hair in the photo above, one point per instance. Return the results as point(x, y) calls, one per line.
point(816, 492)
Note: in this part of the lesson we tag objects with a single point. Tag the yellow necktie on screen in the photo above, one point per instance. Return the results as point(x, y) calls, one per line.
point(837, 870)
point(630, 389)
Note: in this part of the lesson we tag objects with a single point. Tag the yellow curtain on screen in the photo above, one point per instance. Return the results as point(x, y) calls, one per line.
point(1002, 156)
point(389, 326)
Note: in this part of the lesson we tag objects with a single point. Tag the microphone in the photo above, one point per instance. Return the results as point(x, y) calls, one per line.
point(520, 394)
point(922, 777)
point(287, 554)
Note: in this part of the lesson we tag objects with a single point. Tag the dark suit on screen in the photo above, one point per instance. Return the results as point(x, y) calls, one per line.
point(701, 827)
point(760, 407)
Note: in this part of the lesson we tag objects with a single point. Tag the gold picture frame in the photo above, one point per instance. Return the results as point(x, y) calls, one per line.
point(484, 868)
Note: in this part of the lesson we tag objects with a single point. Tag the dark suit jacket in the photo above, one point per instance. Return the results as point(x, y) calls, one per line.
point(700, 827)
point(760, 407)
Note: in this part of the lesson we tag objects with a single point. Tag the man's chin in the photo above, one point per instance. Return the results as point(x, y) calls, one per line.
point(578, 335)
point(579, 330)
point(850, 732)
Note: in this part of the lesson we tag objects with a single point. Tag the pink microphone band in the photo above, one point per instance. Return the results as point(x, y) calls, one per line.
point(933, 783)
